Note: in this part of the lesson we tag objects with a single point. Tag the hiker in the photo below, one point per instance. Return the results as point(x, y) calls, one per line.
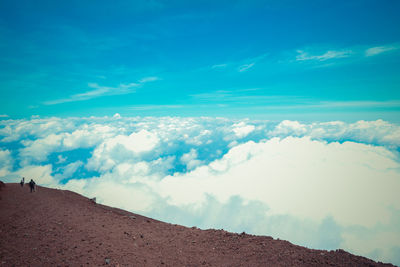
point(22, 182)
point(32, 185)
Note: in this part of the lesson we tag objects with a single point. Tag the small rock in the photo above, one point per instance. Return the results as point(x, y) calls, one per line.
point(132, 217)
point(107, 260)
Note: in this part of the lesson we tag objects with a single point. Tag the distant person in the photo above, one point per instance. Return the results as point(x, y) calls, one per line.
point(22, 182)
point(32, 185)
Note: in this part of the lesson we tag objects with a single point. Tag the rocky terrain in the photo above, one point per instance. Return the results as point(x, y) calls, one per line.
point(53, 227)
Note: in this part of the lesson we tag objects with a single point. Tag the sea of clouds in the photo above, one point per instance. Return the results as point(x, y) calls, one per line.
point(324, 185)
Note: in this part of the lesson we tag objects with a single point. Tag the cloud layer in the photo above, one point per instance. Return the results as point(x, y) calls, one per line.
point(322, 185)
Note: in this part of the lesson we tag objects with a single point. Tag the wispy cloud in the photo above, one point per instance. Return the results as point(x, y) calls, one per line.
point(215, 95)
point(240, 97)
point(152, 107)
point(302, 55)
point(149, 79)
point(360, 104)
point(219, 66)
point(354, 52)
point(373, 51)
point(323, 105)
point(4, 116)
point(99, 91)
point(278, 102)
point(252, 62)
point(241, 65)
point(246, 67)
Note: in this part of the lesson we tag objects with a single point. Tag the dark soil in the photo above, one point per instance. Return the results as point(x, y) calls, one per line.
point(52, 227)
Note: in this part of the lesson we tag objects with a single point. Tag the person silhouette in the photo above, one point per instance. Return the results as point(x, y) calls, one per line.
point(22, 181)
point(32, 185)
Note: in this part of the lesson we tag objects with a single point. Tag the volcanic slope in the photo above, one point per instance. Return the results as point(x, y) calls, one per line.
point(53, 227)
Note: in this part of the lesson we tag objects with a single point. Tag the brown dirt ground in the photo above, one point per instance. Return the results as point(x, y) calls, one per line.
point(53, 227)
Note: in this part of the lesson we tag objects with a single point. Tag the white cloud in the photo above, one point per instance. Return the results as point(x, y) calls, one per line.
point(38, 142)
point(4, 116)
point(219, 66)
point(6, 162)
point(136, 142)
point(99, 91)
point(117, 116)
point(121, 148)
point(69, 170)
point(324, 185)
point(61, 159)
point(246, 67)
point(304, 179)
point(370, 132)
point(39, 150)
point(40, 174)
point(240, 65)
point(365, 104)
point(383, 239)
point(315, 179)
point(190, 159)
point(87, 136)
point(149, 79)
point(220, 94)
point(116, 194)
point(289, 128)
point(242, 130)
point(153, 107)
point(331, 54)
point(373, 51)
point(15, 130)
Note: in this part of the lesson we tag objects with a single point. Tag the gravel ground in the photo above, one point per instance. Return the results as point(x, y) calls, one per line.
point(53, 227)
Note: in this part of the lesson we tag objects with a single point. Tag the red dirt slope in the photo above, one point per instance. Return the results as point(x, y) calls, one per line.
point(60, 228)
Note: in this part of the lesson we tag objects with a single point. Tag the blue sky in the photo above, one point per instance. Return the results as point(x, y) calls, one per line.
point(314, 60)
